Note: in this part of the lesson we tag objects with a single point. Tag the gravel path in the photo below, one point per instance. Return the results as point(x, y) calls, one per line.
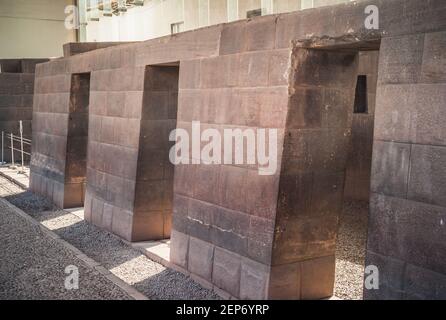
point(129, 264)
point(350, 250)
point(32, 265)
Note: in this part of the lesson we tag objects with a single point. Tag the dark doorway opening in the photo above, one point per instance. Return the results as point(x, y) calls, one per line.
point(361, 105)
point(154, 181)
point(353, 223)
point(77, 141)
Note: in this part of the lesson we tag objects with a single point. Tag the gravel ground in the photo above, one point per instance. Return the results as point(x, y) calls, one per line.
point(350, 250)
point(32, 266)
point(147, 276)
point(158, 282)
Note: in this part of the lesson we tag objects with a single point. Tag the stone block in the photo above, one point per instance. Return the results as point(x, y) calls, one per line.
point(253, 69)
point(206, 191)
point(401, 59)
point(107, 217)
point(317, 278)
point(201, 258)
point(324, 150)
point(179, 247)
point(122, 223)
point(261, 33)
point(115, 102)
point(428, 114)
point(327, 68)
point(151, 164)
point(233, 38)
point(427, 175)
point(285, 282)
point(434, 58)
point(396, 100)
point(254, 280)
point(74, 195)
point(391, 274)
point(133, 104)
point(423, 284)
point(261, 200)
point(226, 271)
point(390, 168)
point(190, 74)
point(229, 240)
point(231, 180)
point(148, 225)
point(97, 209)
point(305, 109)
point(279, 67)
point(220, 72)
point(151, 195)
point(184, 179)
point(404, 230)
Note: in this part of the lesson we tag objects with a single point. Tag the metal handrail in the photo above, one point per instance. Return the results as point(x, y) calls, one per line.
point(20, 139)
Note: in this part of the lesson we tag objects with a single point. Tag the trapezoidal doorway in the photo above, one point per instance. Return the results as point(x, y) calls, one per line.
point(154, 178)
point(317, 150)
point(77, 141)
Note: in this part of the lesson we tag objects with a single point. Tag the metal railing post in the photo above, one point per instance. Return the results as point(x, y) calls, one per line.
point(12, 151)
point(21, 146)
point(3, 147)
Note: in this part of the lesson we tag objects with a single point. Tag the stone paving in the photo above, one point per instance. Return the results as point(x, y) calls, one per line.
point(32, 265)
point(18, 174)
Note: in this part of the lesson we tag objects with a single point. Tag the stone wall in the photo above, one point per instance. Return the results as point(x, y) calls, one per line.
point(247, 235)
point(407, 231)
point(224, 226)
point(316, 145)
point(16, 99)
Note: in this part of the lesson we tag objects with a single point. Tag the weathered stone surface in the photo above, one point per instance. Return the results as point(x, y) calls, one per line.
point(427, 175)
point(411, 113)
point(226, 271)
point(390, 277)
point(317, 278)
point(285, 282)
point(179, 248)
point(402, 60)
point(249, 74)
point(434, 58)
point(201, 258)
point(404, 230)
point(390, 168)
point(254, 280)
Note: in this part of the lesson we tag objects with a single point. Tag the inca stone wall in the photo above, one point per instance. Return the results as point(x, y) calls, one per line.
point(407, 231)
point(316, 146)
point(223, 233)
point(247, 235)
point(16, 98)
